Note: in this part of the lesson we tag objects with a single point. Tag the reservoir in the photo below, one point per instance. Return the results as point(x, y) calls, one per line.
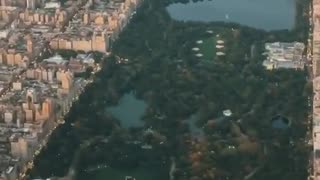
point(261, 14)
point(280, 122)
point(129, 111)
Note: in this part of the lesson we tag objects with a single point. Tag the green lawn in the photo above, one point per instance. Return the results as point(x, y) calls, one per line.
point(139, 174)
point(208, 48)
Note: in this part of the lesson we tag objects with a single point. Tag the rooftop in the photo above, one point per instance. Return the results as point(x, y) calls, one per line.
point(57, 59)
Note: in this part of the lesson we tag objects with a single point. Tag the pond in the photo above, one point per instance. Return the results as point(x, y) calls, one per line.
point(262, 14)
point(129, 111)
point(280, 122)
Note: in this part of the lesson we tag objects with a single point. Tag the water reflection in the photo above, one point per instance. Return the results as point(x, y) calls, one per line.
point(262, 14)
point(280, 122)
point(129, 111)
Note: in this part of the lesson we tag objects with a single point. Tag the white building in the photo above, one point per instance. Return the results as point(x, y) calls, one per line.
point(52, 5)
point(284, 55)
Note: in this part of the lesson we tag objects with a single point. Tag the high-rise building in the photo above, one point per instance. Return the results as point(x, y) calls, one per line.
point(8, 116)
point(17, 86)
point(99, 20)
point(47, 107)
point(31, 4)
point(38, 74)
point(44, 75)
point(316, 68)
point(100, 41)
point(59, 75)
point(50, 75)
point(30, 115)
point(23, 146)
point(31, 97)
point(30, 44)
point(66, 80)
point(3, 3)
point(30, 73)
point(86, 18)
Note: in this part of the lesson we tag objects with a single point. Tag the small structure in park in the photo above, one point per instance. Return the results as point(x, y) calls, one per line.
point(227, 112)
point(195, 49)
point(220, 42)
point(129, 178)
point(199, 55)
point(220, 54)
point(219, 46)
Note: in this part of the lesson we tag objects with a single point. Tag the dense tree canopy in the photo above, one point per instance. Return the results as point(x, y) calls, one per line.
point(163, 71)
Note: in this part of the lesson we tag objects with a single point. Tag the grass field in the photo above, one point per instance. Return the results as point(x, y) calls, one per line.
point(139, 174)
point(208, 48)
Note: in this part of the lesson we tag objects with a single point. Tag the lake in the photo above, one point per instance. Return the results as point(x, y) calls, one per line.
point(261, 14)
point(280, 122)
point(129, 111)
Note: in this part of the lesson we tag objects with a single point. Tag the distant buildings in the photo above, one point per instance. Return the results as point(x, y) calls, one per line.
point(99, 41)
point(315, 173)
point(284, 55)
point(36, 92)
point(30, 109)
point(48, 17)
point(8, 14)
point(315, 170)
point(96, 30)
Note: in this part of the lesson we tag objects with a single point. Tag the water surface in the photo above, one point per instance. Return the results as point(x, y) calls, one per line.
point(262, 14)
point(280, 122)
point(129, 111)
